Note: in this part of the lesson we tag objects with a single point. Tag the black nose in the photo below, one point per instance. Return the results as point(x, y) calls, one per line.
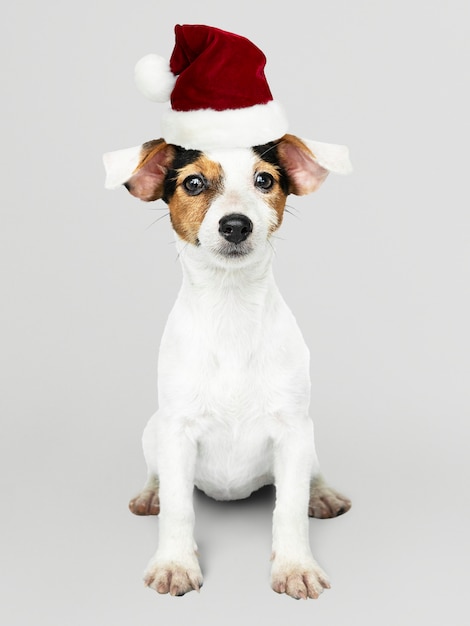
point(235, 228)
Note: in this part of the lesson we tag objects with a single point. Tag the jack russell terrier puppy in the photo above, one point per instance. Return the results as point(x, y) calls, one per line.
point(233, 381)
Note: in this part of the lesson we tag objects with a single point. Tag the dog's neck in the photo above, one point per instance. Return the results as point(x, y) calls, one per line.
point(206, 282)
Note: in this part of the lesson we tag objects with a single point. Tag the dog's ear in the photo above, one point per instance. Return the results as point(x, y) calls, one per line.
point(141, 169)
point(308, 163)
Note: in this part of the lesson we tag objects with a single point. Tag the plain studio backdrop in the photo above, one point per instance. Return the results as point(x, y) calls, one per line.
point(375, 267)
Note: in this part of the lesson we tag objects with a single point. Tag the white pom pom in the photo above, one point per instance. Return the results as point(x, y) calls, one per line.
point(154, 78)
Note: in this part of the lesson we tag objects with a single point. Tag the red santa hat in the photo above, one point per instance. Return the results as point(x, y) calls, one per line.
point(218, 91)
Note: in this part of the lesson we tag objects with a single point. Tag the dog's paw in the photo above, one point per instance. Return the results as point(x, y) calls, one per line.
point(299, 580)
point(326, 502)
point(173, 577)
point(146, 503)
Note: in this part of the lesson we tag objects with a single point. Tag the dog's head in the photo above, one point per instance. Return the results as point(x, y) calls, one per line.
point(227, 203)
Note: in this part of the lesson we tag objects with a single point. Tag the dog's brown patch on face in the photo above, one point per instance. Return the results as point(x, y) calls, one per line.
point(187, 209)
point(275, 196)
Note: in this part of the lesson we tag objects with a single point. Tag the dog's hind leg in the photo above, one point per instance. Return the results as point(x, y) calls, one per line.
point(147, 502)
point(324, 501)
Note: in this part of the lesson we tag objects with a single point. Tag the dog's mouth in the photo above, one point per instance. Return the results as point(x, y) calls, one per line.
point(234, 250)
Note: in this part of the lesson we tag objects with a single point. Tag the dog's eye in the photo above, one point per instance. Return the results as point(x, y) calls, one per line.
point(264, 181)
point(194, 185)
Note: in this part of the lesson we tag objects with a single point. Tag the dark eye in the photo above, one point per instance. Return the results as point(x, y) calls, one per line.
point(264, 181)
point(194, 185)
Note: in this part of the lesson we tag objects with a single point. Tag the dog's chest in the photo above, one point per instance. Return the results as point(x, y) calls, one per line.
point(233, 358)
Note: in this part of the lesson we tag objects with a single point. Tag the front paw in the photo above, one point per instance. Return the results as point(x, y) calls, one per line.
point(174, 577)
point(299, 580)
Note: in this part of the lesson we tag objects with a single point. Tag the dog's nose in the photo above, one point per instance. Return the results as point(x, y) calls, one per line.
point(235, 228)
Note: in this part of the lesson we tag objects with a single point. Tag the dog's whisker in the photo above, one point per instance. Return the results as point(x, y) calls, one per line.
point(273, 248)
point(290, 206)
point(297, 217)
point(181, 251)
point(269, 149)
point(157, 220)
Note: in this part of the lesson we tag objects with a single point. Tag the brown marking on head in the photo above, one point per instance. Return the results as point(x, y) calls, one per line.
point(276, 195)
point(187, 209)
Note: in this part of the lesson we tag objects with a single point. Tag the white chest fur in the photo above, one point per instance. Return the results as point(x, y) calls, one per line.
point(233, 372)
point(231, 340)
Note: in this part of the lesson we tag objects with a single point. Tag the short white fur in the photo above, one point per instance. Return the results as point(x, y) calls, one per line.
point(234, 394)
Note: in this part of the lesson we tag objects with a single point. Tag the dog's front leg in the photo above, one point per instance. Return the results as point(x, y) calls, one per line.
point(175, 569)
point(294, 570)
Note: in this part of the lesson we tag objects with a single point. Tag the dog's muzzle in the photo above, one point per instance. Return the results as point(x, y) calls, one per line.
point(235, 228)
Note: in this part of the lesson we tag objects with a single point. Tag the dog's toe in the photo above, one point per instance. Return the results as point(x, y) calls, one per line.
point(173, 578)
point(326, 502)
point(299, 581)
point(146, 503)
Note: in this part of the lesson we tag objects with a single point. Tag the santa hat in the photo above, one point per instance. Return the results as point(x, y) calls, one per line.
point(218, 91)
point(219, 99)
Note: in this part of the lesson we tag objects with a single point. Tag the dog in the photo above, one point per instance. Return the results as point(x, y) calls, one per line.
point(233, 383)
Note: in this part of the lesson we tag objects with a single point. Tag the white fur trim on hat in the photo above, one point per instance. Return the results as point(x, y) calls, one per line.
point(206, 129)
point(120, 165)
point(153, 78)
point(333, 157)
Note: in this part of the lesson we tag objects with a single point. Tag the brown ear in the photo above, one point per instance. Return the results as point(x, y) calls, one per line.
point(148, 177)
point(304, 172)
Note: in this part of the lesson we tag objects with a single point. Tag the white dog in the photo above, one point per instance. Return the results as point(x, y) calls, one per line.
point(234, 383)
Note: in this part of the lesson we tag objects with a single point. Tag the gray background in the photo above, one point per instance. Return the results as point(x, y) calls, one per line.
point(375, 267)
